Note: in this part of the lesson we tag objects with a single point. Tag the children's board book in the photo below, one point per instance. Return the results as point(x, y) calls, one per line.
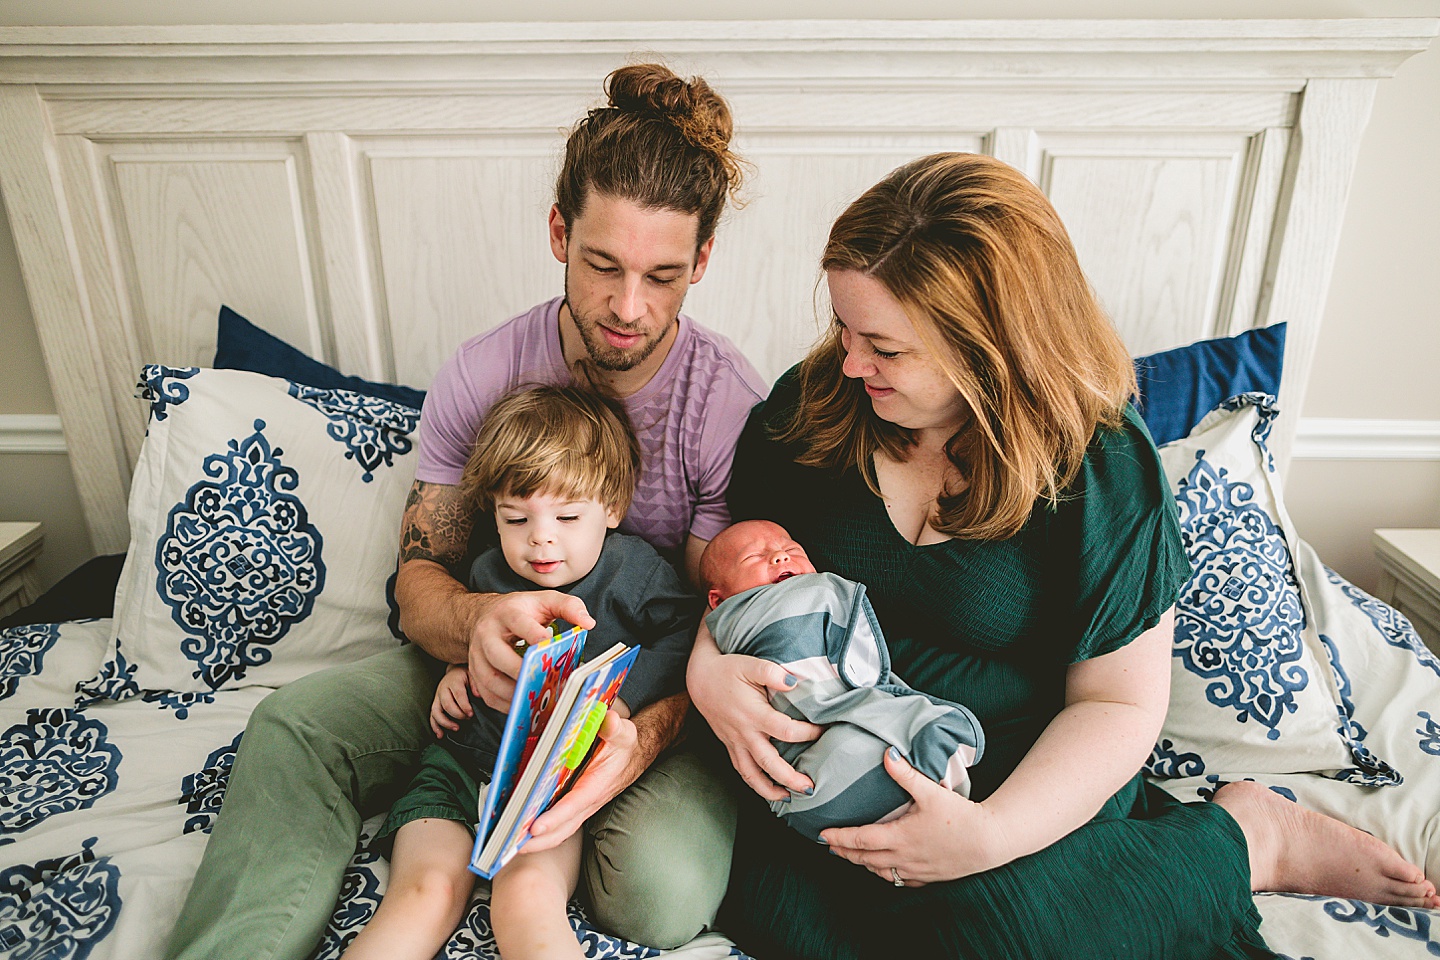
point(555, 713)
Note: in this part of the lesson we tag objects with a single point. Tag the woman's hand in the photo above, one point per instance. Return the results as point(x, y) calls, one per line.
point(452, 701)
point(732, 692)
point(942, 837)
point(1114, 707)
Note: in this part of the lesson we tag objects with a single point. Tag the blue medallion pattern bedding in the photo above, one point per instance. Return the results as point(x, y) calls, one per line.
point(94, 851)
point(53, 762)
point(104, 812)
point(264, 514)
point(1286, 674)
point(1390, 685)
point(263, 517)
point(22, 653)
point(364, 886)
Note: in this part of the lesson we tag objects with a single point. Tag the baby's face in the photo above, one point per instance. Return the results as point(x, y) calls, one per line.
point(552, 541)
point(755, 553)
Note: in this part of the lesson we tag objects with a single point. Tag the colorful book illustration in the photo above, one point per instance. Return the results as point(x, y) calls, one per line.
point(542, 673)
point(555, 714)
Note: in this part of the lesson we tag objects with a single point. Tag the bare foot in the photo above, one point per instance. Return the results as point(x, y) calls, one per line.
point(1294, 850)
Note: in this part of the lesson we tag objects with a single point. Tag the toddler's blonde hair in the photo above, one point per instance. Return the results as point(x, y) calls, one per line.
point(562, 441)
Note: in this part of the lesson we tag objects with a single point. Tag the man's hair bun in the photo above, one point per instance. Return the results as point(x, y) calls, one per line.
point(655, 90)
point(661, 141)
point(649, 88)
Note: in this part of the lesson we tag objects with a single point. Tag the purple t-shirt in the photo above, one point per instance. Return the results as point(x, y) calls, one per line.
point(687, 417)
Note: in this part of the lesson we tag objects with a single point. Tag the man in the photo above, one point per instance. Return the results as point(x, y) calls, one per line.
point(642, 186)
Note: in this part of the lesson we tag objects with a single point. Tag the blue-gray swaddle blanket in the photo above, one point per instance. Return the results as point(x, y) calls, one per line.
point(820, 628)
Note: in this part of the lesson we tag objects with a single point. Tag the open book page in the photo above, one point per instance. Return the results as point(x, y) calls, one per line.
point(561, 750)
point(543, 672)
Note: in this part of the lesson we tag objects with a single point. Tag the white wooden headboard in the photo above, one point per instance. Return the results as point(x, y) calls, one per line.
point(375, 194)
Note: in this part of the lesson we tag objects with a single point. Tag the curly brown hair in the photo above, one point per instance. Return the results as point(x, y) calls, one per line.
point(661, 141)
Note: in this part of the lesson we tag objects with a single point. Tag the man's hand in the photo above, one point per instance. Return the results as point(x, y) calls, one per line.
point(616, 764)
point(626, 750)
point(451, 703)
point(502, 619)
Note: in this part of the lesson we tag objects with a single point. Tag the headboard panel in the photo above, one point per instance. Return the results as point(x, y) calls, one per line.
point(375, 194)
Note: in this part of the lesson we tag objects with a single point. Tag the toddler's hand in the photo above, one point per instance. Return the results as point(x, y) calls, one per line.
point(452, 701)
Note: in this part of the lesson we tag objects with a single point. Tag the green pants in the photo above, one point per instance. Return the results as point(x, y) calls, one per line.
point(327, 751)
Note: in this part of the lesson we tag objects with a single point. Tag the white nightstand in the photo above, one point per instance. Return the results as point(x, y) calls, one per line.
point(1410, 578)
point(20, 545)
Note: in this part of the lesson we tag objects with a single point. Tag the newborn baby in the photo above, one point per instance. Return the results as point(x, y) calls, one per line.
point(767, 601)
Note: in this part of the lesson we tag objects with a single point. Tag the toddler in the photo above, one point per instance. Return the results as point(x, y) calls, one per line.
point(767, 601)
point(557, 467)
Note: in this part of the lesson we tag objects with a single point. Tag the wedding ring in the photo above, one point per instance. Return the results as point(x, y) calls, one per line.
point(895, 875)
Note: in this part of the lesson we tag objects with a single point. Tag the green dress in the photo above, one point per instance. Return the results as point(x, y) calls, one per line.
point(993, 625)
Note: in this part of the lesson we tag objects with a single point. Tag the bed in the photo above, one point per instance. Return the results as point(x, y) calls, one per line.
point(364, 197)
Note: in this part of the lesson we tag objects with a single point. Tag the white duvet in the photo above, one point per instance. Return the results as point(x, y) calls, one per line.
point(105, 807)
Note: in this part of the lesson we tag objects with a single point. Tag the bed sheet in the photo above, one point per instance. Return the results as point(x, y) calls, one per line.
point(105, 808)
point(1389, 687)
point(364, 886)
point(102, 832)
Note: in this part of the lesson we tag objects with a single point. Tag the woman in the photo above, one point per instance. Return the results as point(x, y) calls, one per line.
point(962, 442)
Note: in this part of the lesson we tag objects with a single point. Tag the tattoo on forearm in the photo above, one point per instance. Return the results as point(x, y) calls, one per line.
point(452, 518)
point(436, 524)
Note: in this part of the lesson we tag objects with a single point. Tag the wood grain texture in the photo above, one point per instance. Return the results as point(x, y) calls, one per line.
point(764, 288)
point(97, 249)
point(1149, 222)
point(376, 194)
point(460, 238)
point(521, 53)
point(1252, 230)
point(1311, 210)
point(201, 231)
point(41, 222)
point(352, 322)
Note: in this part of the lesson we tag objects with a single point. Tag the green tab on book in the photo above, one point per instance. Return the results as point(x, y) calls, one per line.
point(585, 736)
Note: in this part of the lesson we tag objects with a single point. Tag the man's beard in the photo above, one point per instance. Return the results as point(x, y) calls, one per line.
point(602, 354)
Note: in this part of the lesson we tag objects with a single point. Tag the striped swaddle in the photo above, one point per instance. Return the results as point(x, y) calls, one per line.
point(820, 628)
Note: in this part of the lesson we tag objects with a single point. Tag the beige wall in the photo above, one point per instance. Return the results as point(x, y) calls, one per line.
point(1378, 358)
point(1379, 354)
point(33, 486)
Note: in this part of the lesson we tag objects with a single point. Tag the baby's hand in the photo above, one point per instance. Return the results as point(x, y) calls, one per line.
point(452, 700)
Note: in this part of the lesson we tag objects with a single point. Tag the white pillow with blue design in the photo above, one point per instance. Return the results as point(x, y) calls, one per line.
point(1388, 679)
point(1251, 687)
point(263, 523)
point(1390, 699)
point(1389, 690)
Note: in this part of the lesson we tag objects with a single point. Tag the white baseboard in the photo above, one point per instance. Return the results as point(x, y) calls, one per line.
point(31, 433)
point(1319, 438)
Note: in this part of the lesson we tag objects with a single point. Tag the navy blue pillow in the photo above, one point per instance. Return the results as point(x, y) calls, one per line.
point(240, 345)
point(1178, 387)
